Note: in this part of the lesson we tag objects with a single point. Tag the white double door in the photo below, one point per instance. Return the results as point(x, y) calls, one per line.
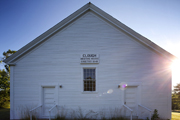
point(130, 99)
point(48, 99)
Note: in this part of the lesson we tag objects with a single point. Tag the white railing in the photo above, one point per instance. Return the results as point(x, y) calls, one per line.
point(51, 110)
point(33, 110)
point(129, 110)
point(146, 109)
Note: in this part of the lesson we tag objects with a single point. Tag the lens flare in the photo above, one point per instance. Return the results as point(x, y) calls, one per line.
point(110, 91)
point(175, 66)
point(123, 86)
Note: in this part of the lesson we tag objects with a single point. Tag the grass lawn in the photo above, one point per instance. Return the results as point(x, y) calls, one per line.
point(5, 112)
point(175, 115)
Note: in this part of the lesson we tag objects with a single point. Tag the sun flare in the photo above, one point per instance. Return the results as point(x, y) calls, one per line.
point(175, 65)
point(175, 72)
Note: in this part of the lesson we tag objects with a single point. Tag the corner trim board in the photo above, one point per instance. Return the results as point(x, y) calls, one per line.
point(12, 93)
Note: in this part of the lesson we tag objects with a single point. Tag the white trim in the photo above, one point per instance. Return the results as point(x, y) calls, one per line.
point(49, 85)
point(89, 92)
point(12, 92)
point(127, 32)
point(122, 97)
point(82, 75)
point(170, 97)
point(56, 86)
point(102, 14)
point(133, 84)
point(51, 33)
point(11, 64)
point(137, 99)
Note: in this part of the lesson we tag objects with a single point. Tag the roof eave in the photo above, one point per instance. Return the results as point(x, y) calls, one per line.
point(133, 33)
point(48, 33)
point(76, 15)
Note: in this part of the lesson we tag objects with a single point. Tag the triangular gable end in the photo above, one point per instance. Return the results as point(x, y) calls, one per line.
point(88, 7)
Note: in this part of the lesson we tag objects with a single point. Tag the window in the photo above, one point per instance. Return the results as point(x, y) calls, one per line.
point(89, 79)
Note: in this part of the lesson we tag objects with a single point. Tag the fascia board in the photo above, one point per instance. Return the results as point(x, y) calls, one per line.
point(76, 15)
point(132, 33)
point(11, 64)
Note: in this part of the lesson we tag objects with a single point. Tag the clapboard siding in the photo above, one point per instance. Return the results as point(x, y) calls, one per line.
point(122, 59)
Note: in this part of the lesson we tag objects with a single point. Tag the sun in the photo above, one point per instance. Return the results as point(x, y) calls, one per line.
point(175, 66)
point(173, 47)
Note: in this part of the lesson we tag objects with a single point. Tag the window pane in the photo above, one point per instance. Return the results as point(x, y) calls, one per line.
point(84, 76)
point(93, 77)
point(85, 85)
point(88, 76)
point(90, 85)
point(89, 80)
point(85, 89)
point(93, 89)
point(94, 86)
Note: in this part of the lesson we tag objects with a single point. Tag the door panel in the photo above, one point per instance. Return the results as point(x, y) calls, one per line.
point(131, 99)
point(48, 99)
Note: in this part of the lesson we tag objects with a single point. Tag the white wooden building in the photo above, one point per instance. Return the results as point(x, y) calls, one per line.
point(92, 61)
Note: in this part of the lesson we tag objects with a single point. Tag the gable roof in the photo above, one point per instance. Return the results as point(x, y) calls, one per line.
point(88, 7)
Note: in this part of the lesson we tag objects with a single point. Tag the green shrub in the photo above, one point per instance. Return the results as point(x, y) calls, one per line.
point(4, 98)
point(155, 115)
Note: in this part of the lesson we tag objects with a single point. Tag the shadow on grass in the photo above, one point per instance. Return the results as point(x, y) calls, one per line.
point(4, 113)
point(178, 111)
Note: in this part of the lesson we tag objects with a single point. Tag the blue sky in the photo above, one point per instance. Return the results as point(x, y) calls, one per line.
point(23, 20)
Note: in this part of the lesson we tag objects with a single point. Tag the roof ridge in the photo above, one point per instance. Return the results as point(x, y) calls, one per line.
point(75, 15)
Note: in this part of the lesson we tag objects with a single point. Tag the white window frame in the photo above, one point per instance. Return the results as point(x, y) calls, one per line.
point(96, 79)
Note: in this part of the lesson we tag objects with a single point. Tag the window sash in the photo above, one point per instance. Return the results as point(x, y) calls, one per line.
point(89, 85)
point(89, 80)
